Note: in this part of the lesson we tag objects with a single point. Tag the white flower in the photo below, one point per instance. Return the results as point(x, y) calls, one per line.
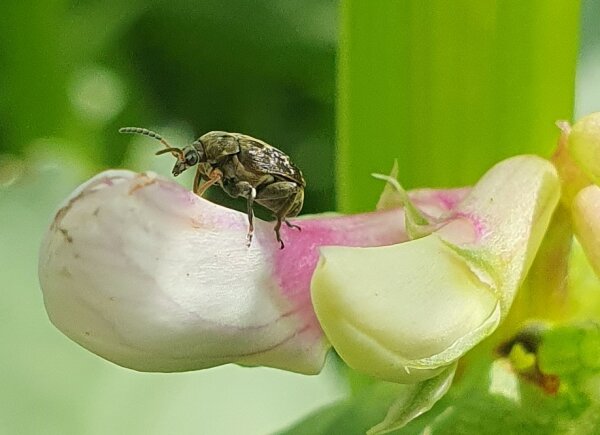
point(146, 274)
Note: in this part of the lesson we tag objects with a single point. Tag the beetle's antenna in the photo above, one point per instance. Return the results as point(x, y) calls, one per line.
point(145, 132)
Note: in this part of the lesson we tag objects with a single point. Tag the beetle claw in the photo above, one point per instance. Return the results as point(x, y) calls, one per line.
point(277, 234)
point(291, 225)
point(279, 239)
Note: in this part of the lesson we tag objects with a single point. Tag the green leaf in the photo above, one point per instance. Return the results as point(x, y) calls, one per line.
point(492, 399)
point(571, 350)
point(587, 423)
point(559, 351)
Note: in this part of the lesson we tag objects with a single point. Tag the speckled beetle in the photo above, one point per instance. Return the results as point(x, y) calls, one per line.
point(244, 167)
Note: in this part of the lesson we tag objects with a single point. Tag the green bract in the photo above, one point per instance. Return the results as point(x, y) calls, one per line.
point(403, 313)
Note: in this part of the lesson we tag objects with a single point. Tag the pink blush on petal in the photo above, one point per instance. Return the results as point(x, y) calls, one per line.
point(450, 198)
point(438, 202)
point(463, 229)
point(294, 265)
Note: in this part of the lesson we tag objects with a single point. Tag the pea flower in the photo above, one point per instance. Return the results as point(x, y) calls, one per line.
point(144, 273)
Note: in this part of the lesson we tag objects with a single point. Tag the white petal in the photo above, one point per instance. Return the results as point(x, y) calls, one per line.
point(144, 273)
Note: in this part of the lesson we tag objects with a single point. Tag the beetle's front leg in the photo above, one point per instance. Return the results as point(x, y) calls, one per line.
point(215, 176)
point(197, 179)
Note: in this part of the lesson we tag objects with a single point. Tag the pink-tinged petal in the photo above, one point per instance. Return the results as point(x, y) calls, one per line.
point(294, 266)
point(146, 274)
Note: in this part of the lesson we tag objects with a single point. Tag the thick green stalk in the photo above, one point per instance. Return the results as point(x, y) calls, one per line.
point(449, 88)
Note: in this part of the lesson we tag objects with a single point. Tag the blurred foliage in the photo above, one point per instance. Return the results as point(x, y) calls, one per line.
point(73, 72)
point(488, 398)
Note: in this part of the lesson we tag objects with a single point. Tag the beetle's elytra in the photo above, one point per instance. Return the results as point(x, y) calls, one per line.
point(244, 167)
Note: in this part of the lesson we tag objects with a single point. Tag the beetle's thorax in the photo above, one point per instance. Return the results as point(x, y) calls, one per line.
point(218, 144)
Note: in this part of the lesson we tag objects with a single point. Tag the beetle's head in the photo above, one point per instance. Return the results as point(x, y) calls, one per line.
point(186, 158)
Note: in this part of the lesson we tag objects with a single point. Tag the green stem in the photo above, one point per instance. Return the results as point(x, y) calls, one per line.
point(448, 88)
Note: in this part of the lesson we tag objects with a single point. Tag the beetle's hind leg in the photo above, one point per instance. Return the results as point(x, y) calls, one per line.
point(284, 199)
point(245, 190)
point(291, 225)
point(280, 218)
point(295, 209)
point(277, 233)
point(250, 202)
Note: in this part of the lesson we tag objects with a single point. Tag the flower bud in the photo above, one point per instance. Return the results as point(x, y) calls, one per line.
point(584, 145)
point(403, 313)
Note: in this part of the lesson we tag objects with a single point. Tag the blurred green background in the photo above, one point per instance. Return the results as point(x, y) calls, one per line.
point(73, 72)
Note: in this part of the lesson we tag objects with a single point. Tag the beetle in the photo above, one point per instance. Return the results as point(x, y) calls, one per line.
point(242, 166)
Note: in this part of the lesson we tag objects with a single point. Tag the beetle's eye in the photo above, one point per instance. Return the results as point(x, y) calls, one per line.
point(191, 159)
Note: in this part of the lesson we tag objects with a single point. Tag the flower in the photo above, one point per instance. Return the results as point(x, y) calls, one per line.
point(144, 273)
point(584, 145)
point(405, 312)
